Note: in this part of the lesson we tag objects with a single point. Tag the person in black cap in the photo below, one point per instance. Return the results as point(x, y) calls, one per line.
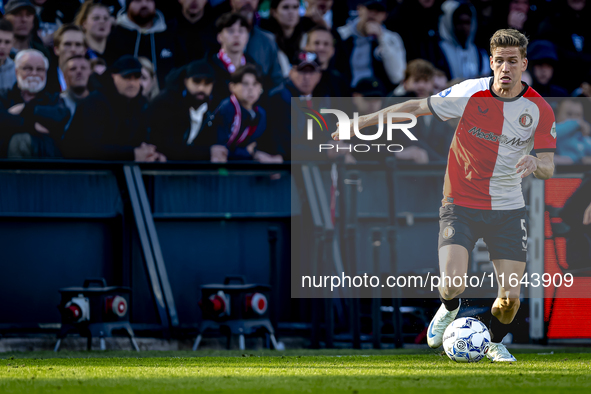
point(181, 119)
point(21, 13)
point(303, 79)
point(111, 123)
point(371, 50)
point(542, 60)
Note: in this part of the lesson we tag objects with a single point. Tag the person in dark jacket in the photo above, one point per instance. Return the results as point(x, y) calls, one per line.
point(111, 123)
point(261, 43)
point(303, 79)
point(543, 59)
point(195, 21)
point(239, 122)
point(21, 13)
point(417, 22)
point(68, 42)
point(7, 74)
point(284, 23)
point(569, 29)
point(181, 120)
point(321, 41)
point(141, 31)
point(459, 56)
point(51, 14)
point(24, 106)
point(233, 37)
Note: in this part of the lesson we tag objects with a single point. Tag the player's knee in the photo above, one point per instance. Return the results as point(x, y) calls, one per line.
point(505, 309)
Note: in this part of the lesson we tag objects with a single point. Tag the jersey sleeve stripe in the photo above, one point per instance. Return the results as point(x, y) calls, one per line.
point(545, 150)
point(433, 110)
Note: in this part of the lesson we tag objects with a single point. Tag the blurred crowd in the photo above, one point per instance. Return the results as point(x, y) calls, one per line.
point(156, 80)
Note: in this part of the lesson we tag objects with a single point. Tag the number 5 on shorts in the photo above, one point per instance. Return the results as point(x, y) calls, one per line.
point(524, 238)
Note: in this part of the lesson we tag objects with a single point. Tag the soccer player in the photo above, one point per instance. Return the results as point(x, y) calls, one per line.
point(501, 120)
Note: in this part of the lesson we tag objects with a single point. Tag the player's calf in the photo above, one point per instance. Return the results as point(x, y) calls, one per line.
point(452, 291)
point(505, 309)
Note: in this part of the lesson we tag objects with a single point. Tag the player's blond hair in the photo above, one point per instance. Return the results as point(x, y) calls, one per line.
point(509, 38)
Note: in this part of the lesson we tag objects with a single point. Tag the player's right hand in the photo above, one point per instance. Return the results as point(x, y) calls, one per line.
point(335, 135)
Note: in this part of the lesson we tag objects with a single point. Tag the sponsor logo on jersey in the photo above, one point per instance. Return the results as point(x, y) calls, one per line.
point(448, 232)
point(501, 139)
point(482, 111)
point(525, 120)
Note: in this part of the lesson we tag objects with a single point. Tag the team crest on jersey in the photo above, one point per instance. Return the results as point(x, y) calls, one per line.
point(448, 232)
point(525, 120)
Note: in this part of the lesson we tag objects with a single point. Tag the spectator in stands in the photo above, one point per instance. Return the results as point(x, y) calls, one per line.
point(318, 13)
point(460, 57)
point(114, 6)
point(111, 123)
point(233, 30)
point(418, 80)
point(21, 13)
point(181, 120)
point(542, 61)
point(518, 17)
point(141, 31)
point(149, 80)
point(367, 97)
point(69, 42)
point(573, 134)
point(440, 81)
point(569, 29)
point(303, 79)
point(98, 65)
point(95, 21)
point(434, 137)
point(488, 23)
point(417, 22)
point(371, 50)
point(22, 107)
point(51, 15)
point(76, 73)
point(261, 44)
point(232, 35)
point(284, 23)
point(332, 84)
point(31, 74)
point(7, 72)
point(239, 122)
point(195, 21)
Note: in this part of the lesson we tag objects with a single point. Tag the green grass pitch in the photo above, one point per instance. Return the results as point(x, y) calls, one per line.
point(324, 371)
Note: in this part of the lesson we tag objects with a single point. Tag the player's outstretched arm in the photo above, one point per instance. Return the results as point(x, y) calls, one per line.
point(542, 166)
point(416, 107)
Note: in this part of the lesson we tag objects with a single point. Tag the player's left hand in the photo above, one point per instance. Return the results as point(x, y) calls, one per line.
point(527, 165)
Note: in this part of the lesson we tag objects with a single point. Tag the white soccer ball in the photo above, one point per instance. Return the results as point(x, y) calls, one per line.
point(466, 340)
